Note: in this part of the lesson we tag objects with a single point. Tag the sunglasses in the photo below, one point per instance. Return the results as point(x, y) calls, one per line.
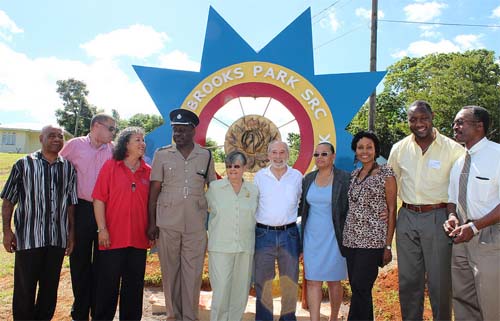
point(233, 166)
point(323, 154)
point(110, 128)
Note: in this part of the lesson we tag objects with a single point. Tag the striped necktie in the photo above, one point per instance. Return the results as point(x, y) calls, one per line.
point(462, 188)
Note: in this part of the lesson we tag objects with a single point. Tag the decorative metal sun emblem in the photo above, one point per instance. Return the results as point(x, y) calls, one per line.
point(252, 134)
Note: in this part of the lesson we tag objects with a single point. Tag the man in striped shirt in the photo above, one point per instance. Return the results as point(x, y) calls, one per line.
point(43, 185)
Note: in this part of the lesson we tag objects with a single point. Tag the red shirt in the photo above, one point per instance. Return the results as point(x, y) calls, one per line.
point(125, 195)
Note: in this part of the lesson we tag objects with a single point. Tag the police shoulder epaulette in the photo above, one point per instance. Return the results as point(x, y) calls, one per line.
point(163, 148)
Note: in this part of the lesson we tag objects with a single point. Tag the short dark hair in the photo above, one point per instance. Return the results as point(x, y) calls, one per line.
point(421, 103)
point(332, 149)
point(481, 115)
point(366, 134)
point(234, 156)
point(100, 118)
point(123, 138)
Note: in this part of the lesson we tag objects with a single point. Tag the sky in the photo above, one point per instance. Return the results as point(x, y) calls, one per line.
point(98, 42)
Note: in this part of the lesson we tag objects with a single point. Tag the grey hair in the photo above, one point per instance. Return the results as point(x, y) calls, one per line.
point(275, 142)
point(235, 156)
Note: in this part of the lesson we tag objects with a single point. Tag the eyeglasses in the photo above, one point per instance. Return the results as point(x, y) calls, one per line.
point(323, 154)
point(233, 166)
point(110, 128)
point(461, 122)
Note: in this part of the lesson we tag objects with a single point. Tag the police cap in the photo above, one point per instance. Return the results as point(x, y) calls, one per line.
point(183, 117)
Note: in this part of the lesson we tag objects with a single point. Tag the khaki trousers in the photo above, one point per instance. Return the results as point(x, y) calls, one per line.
point(230, 276)
point(424, 255)
point(181, 258)
point(475, 272)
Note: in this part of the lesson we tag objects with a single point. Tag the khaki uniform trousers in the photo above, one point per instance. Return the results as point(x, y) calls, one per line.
point(230, 276)
point(181, 258)
point(475, 272)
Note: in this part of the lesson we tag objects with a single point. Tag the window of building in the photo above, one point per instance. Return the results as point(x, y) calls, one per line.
point(8, 138)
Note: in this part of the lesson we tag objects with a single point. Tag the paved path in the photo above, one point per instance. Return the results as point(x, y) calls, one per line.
point(154, 307)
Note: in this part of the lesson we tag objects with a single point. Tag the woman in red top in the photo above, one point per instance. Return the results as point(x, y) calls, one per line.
point(120, 207)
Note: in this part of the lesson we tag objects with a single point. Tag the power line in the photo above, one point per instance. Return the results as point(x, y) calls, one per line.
point(342, 35)
point(440, 23)
point(331, 5)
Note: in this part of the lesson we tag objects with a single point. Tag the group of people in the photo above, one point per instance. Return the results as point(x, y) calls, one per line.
point(104, 206)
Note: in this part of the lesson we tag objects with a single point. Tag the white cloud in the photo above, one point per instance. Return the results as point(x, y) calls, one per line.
point(29, 85)
point(8, 27)
point(136, 41)
point(496, 12)
point(333, 21)
point(423, 47)
point(430, 34)
point(178, 60)
point(367, 13)
point(424, 11)
point(468, 42)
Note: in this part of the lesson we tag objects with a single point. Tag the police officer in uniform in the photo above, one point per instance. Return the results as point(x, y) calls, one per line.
point(177, 214)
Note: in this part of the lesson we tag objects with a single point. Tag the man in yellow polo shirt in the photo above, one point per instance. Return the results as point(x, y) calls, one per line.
point(422, 163)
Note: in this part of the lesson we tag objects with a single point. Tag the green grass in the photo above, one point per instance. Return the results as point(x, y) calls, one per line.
point(6, 259)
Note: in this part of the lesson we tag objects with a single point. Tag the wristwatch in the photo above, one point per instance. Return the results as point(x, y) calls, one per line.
point(388, 247)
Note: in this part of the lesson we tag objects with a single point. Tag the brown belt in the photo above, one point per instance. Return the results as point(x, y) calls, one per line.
point(424, 208)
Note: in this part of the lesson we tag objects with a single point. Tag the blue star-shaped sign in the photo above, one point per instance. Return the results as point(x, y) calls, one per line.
point(289, 54)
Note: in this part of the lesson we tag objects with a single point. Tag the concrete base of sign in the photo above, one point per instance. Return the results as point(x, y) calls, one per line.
point(157, 302)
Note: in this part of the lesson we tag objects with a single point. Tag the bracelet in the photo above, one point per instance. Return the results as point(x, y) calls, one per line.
point(473, 228)
point(101, 229)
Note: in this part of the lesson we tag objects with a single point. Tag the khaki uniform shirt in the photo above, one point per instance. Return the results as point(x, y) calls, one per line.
point(182, 205)
point(424, 179)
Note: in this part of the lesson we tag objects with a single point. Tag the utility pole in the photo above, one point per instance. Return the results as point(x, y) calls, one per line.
point(373, 63)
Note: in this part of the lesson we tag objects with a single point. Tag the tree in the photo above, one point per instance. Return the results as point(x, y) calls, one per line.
point(147, 122)
point(120, 123)
point(293, 140)
point(447, 81)
point(217, 152)
point(76, 114)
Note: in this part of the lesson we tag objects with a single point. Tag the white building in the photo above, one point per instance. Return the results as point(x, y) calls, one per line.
point(24, 139)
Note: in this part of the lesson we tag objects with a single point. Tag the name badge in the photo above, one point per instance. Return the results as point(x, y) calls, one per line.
point(434, 164)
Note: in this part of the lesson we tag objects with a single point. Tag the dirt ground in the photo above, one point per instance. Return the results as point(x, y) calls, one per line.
point(385, 296)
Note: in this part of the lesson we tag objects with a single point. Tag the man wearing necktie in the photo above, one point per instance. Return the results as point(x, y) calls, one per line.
point(474, 222)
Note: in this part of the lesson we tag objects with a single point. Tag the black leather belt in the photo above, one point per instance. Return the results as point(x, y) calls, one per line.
point(277, 228)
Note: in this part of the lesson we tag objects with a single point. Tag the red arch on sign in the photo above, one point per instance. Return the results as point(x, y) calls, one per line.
point(257, 89)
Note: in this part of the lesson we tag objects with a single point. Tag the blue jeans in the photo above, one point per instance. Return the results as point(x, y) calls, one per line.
point(271, 245)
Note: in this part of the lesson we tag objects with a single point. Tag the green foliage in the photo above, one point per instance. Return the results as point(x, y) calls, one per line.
point(76, 114)
point(147, 122)
point(447, 81)
point(293, 141)
point(217, 152)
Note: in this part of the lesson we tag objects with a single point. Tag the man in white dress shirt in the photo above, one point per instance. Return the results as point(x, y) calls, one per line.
point(276, 233)
point(474, 222)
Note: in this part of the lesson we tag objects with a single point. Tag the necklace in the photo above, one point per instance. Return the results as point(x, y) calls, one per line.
point(355, 189)
point(357, 181)
point(134, 167)
point(328, 182)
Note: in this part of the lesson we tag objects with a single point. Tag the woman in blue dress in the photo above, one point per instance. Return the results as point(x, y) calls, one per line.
point(323, 209)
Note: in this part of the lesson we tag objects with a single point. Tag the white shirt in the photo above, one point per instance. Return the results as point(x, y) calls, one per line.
point(483, 190)
point(278, 199)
